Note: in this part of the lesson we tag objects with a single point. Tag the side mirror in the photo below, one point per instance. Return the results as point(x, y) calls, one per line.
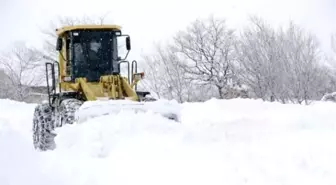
point(59, 44)
point(128, 43)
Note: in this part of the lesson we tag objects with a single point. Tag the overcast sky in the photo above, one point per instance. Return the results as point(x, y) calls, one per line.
point(149, 21)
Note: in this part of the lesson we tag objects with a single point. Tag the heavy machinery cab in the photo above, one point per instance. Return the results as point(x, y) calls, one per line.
point(92, 54)
point(89, 52)
point(89, 65)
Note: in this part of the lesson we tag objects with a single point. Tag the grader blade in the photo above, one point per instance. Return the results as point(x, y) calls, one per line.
point(92, 109)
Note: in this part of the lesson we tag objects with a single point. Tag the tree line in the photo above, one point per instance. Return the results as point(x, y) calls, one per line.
point(206, 59)
point(209, 59)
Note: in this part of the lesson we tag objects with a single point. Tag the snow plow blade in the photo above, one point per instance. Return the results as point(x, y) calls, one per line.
point(92, 109)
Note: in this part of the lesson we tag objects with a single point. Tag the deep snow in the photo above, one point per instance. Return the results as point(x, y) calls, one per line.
point(217, 142)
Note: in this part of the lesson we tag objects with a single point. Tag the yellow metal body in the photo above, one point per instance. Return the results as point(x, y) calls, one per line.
point(109, 86)
point(63, 30)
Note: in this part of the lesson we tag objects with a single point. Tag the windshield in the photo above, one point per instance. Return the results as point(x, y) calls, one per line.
point(94, 54)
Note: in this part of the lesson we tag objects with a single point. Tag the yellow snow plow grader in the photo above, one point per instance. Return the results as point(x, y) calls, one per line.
point(88, 82)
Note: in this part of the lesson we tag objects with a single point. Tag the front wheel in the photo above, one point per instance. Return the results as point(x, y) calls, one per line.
point(43, 124)
point(46, 119)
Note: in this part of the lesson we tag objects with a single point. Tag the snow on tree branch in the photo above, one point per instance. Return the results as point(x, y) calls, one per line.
point(24, 68)
point(206, 49)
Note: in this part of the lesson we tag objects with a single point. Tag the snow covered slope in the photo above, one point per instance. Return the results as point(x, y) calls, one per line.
point(232, 142)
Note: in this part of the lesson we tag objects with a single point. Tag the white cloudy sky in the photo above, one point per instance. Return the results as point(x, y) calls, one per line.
point(149, 21)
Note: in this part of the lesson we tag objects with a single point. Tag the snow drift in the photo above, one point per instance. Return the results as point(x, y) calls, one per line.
point(217, 142)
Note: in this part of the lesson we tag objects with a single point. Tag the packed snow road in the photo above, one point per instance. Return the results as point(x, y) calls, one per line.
point(217, 142)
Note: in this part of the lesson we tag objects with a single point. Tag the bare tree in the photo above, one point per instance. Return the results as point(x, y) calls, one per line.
point(303, 59)
point(153, 76)
point(5, 85)
point(259, 59)
point(281, 65)
point(206, 52)
point(24, 68)
point(165, 77)
point(330, 66)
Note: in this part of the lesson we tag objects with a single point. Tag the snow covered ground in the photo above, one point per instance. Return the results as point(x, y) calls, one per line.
point(232, 142)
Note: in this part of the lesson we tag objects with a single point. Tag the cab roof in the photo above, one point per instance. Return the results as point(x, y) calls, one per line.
point(61, 31)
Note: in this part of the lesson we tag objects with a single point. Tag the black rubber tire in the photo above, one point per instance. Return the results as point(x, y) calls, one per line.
point(149, 99)
point(146, 98)
point(43, 124)
point(67, 111)
point(45, 121)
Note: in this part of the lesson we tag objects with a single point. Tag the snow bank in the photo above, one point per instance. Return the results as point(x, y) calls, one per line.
point(236, 141)
point(17, 115)
point(218, 142)
point(19, 162)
